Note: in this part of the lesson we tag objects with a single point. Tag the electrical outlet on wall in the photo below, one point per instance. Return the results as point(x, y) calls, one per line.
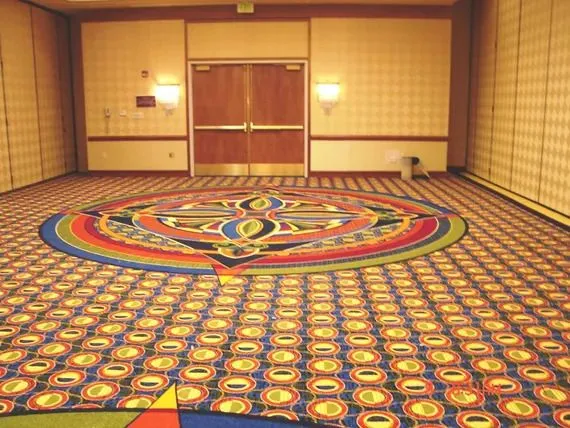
point(123, 113)
point(137, 115)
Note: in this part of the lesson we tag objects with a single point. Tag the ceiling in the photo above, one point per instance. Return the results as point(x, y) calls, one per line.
point(71, 6)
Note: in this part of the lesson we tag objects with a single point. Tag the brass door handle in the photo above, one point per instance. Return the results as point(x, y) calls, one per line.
point(221, 127)
point(253, 127)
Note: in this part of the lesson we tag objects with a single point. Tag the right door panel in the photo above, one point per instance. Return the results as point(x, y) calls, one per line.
point(277, 118)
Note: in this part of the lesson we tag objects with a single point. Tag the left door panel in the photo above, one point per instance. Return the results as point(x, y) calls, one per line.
point(219, 119)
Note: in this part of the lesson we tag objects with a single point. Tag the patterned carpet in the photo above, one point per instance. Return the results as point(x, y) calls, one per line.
point(474, 334)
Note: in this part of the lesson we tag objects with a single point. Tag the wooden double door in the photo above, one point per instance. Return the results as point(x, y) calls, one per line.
point(248, 119)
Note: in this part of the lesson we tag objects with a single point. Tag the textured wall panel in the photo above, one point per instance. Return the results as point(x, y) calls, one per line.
point(49, 93)
point(482, 119)
point(555, 175)
point(5, 175)
point(508, 19)
point(531, 96)
point(473, 86)
point(20, 88)
point(394, 76)
point(248, 40)
point(459, 85)
point(114, 54)
point(66, 93)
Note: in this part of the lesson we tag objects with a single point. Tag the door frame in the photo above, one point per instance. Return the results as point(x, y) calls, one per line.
point(306, 91)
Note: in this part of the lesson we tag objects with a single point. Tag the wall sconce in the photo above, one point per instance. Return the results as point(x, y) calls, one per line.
point(327, 95)
point(168, 96)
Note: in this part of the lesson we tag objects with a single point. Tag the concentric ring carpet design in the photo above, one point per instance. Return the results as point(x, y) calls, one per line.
point(253, 230)
point(474, 335)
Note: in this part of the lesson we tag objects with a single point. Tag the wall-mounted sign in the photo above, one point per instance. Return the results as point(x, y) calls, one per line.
point(146, 101)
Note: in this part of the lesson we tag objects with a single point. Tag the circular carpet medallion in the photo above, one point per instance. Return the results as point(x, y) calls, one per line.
point(253, 230)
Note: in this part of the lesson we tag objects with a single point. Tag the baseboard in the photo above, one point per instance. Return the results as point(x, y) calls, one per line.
point(137, 173)
point(379, 174)
point(536, 208)
point(456, 169)
point(47, 180)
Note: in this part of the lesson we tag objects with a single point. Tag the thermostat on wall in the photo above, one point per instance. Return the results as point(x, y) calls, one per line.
point(245, 7)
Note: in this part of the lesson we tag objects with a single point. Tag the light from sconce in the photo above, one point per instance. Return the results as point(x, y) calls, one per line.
point(327, 95)
point(168, 96)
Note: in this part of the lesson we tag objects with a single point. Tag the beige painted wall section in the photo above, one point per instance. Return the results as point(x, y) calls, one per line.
point(114, 54)
point(137, 156)
point(555, 171)
point(248, 40)
point(5, 176)
point(375, 155)
point(20, 92)
point(394, 76)
point(49, 93)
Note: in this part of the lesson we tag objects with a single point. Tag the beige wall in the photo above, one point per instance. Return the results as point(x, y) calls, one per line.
point(394, 76)
point(375, 155)
point(520, 122)
point(32, 84)
point(216, 40)
point(137, 155)
point(114, 55)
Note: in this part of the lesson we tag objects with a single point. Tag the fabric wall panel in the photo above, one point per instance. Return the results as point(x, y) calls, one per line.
point(531, 96)
point(482, 121)
point(20, 92)
point(555, 168)
point(49, 93)
point(5, 173)
point(473, 86)
point(508, 19)
point(66, 93)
